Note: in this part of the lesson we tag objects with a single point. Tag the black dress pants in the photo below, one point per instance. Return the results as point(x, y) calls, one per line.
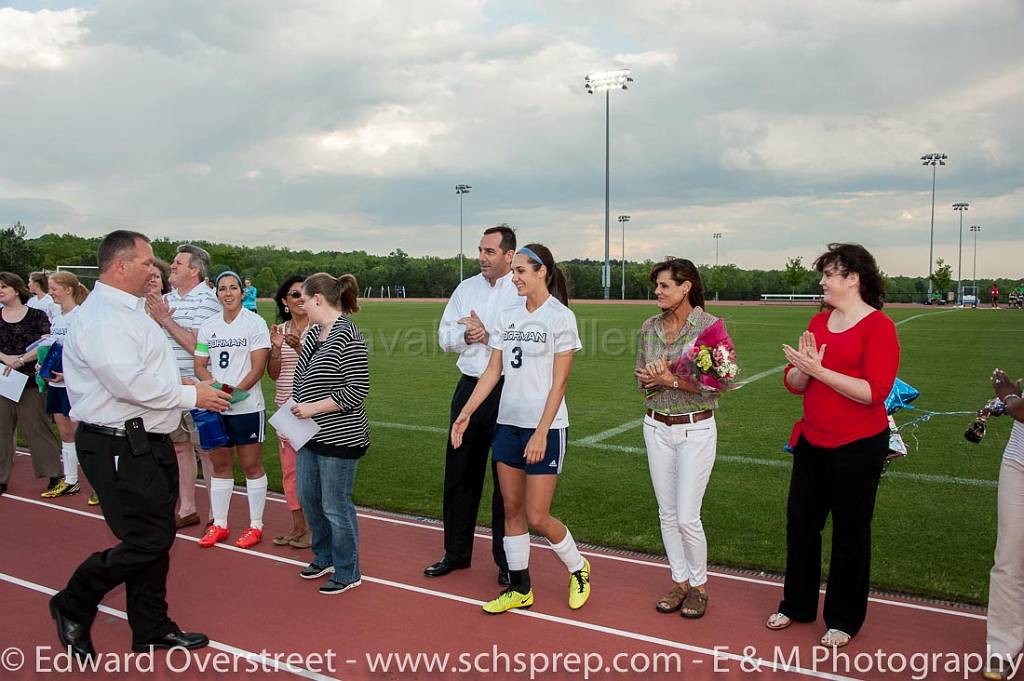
point(843, 481)
point(464, 471)
point(138, 499)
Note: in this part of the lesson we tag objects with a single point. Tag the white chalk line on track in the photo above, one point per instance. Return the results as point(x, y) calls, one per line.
point(555, 619)
point(545, 546)
point(618, 430)
point(263, 661)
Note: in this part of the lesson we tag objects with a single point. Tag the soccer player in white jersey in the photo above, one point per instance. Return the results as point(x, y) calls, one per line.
point(534, 345)
point(233, 348)
point(68, 293)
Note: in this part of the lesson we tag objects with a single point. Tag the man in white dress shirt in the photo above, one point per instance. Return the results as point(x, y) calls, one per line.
point(469, 317)
point(119, 368)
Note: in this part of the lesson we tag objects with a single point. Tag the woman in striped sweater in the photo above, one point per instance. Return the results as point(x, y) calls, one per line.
point(330, 386)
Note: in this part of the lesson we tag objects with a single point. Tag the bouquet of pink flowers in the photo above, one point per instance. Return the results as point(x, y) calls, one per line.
point(711, 362)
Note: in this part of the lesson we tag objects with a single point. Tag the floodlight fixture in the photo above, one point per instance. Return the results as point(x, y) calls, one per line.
point(602, 81)
point(606, 81)
point(960, 208)
point(934, 159)
point(461, 189)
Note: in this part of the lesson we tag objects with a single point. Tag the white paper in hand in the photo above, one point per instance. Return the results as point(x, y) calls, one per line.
point(13, 384)
point(297, 431)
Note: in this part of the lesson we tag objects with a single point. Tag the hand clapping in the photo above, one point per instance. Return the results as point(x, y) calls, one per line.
point(807, 357)
point(1003, 386)
point(475, 331)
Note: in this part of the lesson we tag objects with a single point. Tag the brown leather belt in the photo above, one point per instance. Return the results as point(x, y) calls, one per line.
point(680, 419)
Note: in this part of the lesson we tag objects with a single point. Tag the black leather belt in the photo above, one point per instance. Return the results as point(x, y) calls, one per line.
point(120, 432)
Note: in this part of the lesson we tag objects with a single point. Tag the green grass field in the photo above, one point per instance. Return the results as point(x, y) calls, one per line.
point(935, 518)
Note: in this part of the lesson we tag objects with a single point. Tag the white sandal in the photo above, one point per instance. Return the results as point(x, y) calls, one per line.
point(835, 638)
point(778, 621)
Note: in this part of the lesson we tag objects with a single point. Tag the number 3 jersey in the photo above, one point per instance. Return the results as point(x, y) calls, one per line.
point(229, 347)
point(529, 342)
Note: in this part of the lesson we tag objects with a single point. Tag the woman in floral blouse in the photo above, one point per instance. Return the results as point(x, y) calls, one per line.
point(679, 429)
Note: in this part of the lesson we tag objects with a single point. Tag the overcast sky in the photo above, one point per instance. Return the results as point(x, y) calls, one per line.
point(345, 125)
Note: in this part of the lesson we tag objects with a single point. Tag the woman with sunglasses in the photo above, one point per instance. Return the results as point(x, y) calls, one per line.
point(232, 348)
point(285, 345)
point(533, 346)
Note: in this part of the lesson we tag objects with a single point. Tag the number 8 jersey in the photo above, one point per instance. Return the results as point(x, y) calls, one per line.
point(529, 342)
point(229, 347)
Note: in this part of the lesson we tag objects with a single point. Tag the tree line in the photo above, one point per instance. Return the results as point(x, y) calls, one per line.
point(434, 277)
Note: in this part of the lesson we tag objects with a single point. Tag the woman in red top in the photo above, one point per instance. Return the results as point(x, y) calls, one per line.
point(844, 366)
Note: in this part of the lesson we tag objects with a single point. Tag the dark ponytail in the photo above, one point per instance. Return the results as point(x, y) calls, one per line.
point(557, 286)
point(341, 293)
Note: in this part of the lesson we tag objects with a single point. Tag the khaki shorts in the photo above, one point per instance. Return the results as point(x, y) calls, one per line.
point(186, 431)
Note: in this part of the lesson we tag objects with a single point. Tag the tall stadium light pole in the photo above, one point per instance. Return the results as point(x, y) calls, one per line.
point(932, 160)
point(461, 189)
point(606, 81)
point(716, 236)
point(975, 229)
point(960, 208)
point(623, 219)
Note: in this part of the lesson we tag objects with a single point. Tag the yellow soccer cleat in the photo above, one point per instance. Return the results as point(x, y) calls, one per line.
point(579, 586)
point(94, 500)
point(508, 600)
point(61, 489)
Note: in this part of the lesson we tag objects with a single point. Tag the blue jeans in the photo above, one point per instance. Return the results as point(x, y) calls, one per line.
point(325, 492)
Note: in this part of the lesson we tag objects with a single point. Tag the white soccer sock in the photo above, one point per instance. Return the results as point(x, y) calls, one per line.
point(568, 553)
point(69, 455)
point(220, 499)
point(257, 493)
point(517, 551)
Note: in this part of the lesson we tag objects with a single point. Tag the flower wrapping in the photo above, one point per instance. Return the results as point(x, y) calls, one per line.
point(711, 361)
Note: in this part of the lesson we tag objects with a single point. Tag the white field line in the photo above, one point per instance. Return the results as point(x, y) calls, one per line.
point(544, 545)
point(727, 458)
point(263, 661)
point(629, 425)
point(612, 631)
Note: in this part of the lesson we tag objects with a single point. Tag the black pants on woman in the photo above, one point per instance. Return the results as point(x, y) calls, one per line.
point(843, 481)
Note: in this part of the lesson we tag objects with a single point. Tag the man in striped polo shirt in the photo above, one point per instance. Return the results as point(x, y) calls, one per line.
point(180, 313)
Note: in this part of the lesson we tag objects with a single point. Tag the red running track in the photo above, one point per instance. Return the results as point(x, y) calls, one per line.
point(254, 603)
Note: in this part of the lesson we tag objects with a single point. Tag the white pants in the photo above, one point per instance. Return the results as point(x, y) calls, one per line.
point(681, 458)
point(1006, 585)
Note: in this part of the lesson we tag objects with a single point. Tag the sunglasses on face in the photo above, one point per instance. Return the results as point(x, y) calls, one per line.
point(295, 294)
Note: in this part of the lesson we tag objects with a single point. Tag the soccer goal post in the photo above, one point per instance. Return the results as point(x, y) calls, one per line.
point(87, 274)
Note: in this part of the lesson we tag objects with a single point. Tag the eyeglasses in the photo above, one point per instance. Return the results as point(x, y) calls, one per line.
point(295, 294)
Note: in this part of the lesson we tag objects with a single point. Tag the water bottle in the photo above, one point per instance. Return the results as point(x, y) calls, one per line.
point(210, 427)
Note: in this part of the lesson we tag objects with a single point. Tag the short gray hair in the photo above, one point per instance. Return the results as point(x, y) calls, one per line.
point(199, 259)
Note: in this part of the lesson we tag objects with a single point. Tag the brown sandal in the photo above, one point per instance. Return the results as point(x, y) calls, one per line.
point(673, 600)
point(695, 604)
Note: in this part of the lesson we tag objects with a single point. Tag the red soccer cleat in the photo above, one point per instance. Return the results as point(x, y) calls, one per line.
point(250, 538)
point(214, 534)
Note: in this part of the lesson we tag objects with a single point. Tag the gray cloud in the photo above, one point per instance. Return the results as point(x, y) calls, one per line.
point(783, 125)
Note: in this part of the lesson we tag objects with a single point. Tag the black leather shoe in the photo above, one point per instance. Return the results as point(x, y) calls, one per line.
point(503, 578)
point(173, 639)
point(443, 567)
point(72, 635)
